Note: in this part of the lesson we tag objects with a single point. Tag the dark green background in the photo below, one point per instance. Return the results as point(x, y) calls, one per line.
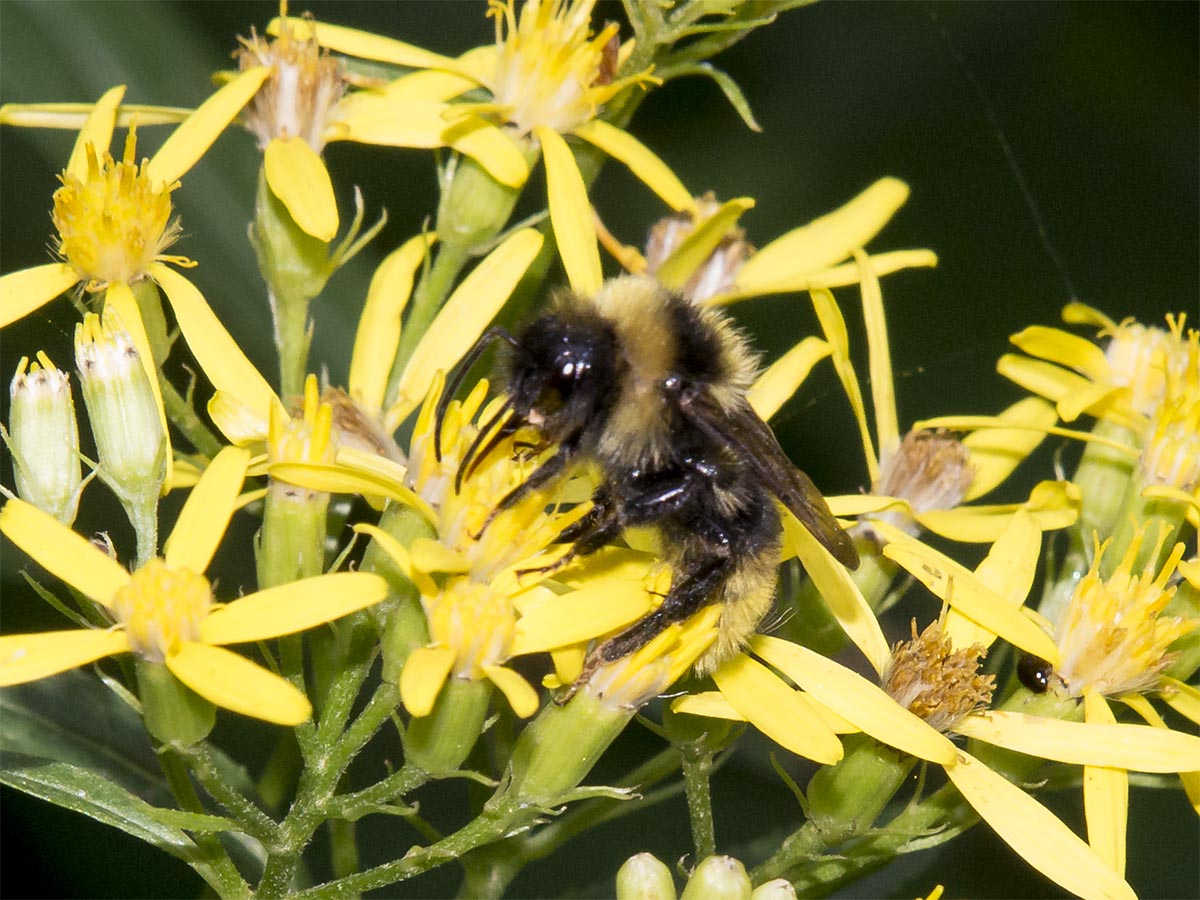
point(1098, 103)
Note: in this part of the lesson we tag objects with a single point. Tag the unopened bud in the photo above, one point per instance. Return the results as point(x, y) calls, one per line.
point(644, 877)
point(130, 442)
point(718, 878)
point(44, 438)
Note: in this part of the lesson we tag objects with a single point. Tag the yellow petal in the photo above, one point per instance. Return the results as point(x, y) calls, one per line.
point(25, 290)
point(296, 606)
point(372, 118)
point(196, 134)
point(784, 376)
point(489, 146)
point(854, 698)
point(1105, 795)
point(240, 423)
point(422, 677)
point(570, 213)
point(433, 556)
point(1008, 570)
point(400, 557)
point(378, 333)
point(233, 682)
point(834, 326)
point(959, 587)
point(120, 297)
point(1183, 698)
point(28, 657)
point(367, 45)
point(1139, 748)
point(694, 251)
point(1036, 834)
point(1066, 349)
point(218, 354)
point(62, 552)
point(1053, 504)
point(840, 593)
point(520, 695)
point(641, 161)
point(184, 475)
point(298, 177)
point(995, 452)
point(711, 704)
point(776, 710)
point(834, 276)
point(883, 388)
point(581, 615)
point(1190, 780)
point(73, 116)
point(97, 131)
point(206, 514)
point(1076, 313)
point(826, 240)
point(341, 480)
point(1072, 393)
point(848, 505)
point(463, 318)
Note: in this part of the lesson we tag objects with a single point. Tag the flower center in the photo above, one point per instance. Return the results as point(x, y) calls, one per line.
point(932, 680)
point(308, 436)
point(298, 99)
point(161, 608)
point(1153, 362)
point(550, 70)
point(1112, 635)
point(475, 621)
point(115, 222)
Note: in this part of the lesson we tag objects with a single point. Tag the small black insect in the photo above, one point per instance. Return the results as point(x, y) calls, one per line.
point(1034, 673)
point(649, 388)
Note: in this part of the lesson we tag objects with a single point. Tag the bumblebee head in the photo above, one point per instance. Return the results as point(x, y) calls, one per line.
point(562, 373)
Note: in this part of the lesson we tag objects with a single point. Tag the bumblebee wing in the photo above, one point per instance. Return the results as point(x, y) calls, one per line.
point(744, 433)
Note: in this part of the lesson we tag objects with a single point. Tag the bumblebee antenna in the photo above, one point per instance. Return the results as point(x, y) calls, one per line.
point(496, 332)
point(478, 449)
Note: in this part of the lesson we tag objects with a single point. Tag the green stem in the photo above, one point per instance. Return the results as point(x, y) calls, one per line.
point(317, 786)
point(697, 771)
point(183, 416)
point(253, 820)
point(214, 865)
point(292, 337)
point(353, 806)
point(143, 515)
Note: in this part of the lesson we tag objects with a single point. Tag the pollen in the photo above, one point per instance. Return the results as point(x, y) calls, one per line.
point(931, 469)
point(932, 680)
point(1113, 635)
point(307, 437)
point(475, 621)
point(298, 99)
point(162, 608)
point(113, 223)
point(551, 70)
point(1153, 361)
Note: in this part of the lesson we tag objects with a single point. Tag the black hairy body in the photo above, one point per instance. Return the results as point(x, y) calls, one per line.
point(650, 389)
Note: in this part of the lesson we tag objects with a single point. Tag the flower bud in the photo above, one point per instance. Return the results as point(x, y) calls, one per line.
point(129, 437)
point(718, 878)
point(644, 877)
point(44, 438)
point(777, 889)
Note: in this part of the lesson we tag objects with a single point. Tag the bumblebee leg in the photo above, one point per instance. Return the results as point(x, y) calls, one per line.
point(692, 589)
point(544, 473)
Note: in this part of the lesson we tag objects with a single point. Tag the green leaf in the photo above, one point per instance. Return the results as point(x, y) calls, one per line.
point(730, 88)
point(190, 821)
point(98, 798)
point(73, 718)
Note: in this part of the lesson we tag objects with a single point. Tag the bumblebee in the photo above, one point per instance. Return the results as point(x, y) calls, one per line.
point(649, 388)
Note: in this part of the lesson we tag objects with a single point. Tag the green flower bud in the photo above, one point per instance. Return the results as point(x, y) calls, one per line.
point(120, 402)
point(644, 877)
point(718, 878)
point(777, 889)
point(474, 205)
point(44, 438)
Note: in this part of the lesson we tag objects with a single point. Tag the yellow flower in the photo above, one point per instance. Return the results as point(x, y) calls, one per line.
point(926, 479)
point(482, 566)
point(165, 611)
point(703, 252)
point(1125, 383)
point(114, 218)
point(548, 76)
